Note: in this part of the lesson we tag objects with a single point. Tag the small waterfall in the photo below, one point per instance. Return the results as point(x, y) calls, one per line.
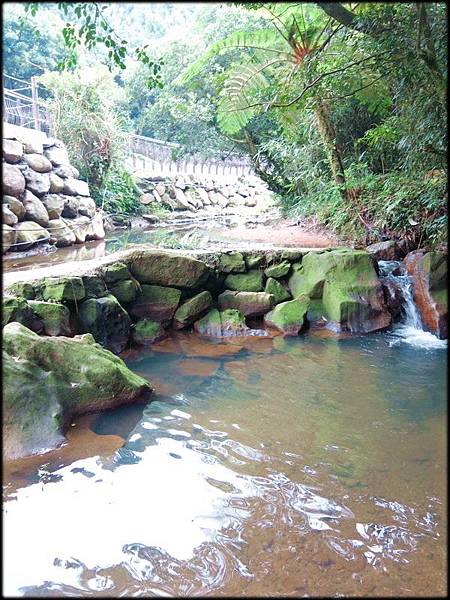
point(409, 328)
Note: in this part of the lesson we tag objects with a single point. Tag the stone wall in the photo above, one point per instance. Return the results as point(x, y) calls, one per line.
point(194, 193)
point(138, 296)
point(43, 197)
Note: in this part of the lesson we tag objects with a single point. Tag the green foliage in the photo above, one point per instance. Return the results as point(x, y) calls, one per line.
point(119, 193)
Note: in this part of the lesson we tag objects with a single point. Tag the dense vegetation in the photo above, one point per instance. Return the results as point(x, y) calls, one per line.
point(341, 107)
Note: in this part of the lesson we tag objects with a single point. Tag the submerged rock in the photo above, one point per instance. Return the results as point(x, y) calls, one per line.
point(225, 323)
point(429, 282)
point(146, 332)
point(48, 380)
point(156, 302)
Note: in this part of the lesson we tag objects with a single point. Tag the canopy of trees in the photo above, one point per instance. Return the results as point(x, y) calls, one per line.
point(341, 107)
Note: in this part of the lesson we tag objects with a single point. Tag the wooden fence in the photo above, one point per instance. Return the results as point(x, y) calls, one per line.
point(21, 105)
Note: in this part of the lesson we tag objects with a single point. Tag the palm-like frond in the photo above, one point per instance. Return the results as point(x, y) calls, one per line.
point(263, 39)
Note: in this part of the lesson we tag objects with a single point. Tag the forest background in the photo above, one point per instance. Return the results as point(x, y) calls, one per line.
point(341, 107)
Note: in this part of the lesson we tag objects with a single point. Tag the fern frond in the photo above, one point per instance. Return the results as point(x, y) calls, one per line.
point(236, 106)
point(263, 39)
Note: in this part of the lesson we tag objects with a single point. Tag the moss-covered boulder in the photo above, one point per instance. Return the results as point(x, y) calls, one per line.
point(116, 272)
point(289, 317)
point(278, 270)
point(18, 309)
point(124, 290)
point(225, 323)
point(232, 263)
point(62, 288)
point(49, 380)
point(94, 286)
point(428, 271)
point(278, 291)
point(146, 332)
point(107, 320)
point(253, 261)
point(55, 317)
point(250, 304)
point(156, 302)
point(252, 281)
point(22, 289)
point(164, 269)
point(192, 309)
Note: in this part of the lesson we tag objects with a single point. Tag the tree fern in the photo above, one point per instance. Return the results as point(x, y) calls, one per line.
point(264, 39)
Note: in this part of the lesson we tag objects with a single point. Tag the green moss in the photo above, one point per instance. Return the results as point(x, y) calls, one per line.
point(278, 270)
point(124, 290)
point(252, 281)
point(147, 332)
point(274, 287)
point(254, 261)
point(232, 263)
point(55, 317)
point(16, 309)
point(22, 289)
point(94, 286)
point(63, 288)
point(289, 317)
point(193, 308)
point(106, 319)
point(116, 272)
point(164, 269)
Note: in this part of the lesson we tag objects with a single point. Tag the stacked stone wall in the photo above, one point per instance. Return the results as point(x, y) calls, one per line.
point(44, 200)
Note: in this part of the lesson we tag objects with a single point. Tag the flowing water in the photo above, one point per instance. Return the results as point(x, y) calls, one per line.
point(309, 466)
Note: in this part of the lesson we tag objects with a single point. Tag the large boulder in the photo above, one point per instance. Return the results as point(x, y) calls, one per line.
point(13, 180)
point(54, 316)
point(38, 163)
point(15, 206)
point(54, 204)
point(80, 227)
point(49, 380)
point(37, 183)
point(250, 304)
point(279, 292)
point(125, 290)
point(160, 268)
point(18, 309)
point(278, 270)
point(96, 230)
point(34, 209)
point(156, 302)
point(71, 206)
point(252, 281)
point(8, 237)
point(289, 317)
point(146, 332)
point(12, 150)
point(87, 206)
point(225, 323)
point(116, 272)
point(61, 232)
point(60, 289)
point(29, 233)
point(428, 271)
point(108, 322)
point(192, 309)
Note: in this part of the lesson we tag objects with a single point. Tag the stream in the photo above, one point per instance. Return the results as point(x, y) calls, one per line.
point(308, 466)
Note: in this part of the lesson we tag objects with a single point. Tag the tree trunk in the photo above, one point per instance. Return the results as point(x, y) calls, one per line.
point(328, 135)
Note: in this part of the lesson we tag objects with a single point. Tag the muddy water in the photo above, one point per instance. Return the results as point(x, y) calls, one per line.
point(309, 467)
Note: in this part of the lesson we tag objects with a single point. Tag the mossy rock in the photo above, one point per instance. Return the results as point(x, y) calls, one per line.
point(250, 304)
point(192, 309)
point(55, 379)
point(107, 320)
point(293, 256)
point(275, 288)
point(225, 323)
point(289, 317)
point(23, 289)
point(55, 317)
point(116, 272)
point(124, 290)
point(164, 269)
point(156, 302)
point(253, 261)
point(63, 288)
point(278, 270)
point(18, 309)
point(232, 263)
point(94, 286)
point(252, 281)
point(146, 332)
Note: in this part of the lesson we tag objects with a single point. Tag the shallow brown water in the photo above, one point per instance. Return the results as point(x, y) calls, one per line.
point(304, 467)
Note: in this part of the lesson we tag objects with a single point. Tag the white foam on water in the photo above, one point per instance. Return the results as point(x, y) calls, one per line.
point(416, 337)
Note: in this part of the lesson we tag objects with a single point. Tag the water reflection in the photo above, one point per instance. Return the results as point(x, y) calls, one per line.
point(294, 471)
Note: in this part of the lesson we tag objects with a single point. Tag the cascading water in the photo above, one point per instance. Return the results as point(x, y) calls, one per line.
point(409, 327)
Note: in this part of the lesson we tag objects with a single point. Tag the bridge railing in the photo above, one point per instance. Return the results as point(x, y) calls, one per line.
point(21, 105)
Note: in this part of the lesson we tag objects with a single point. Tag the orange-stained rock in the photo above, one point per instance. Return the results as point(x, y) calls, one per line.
point(429, 281)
